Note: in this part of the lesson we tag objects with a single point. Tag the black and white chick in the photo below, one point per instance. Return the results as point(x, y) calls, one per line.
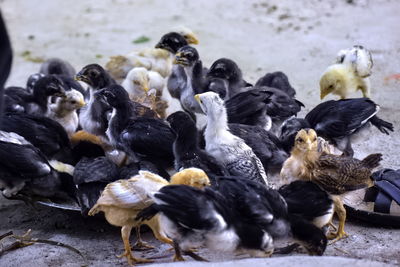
point(342, 122)
point(91, 175)
point(277, 80)
point(188, 58)
point(282, 220)
point(187, 152)
point(26, 172)
point(265, 145)
point(227, 69)
point(237, 215)
point(230, 151)
point(94, 117)
point(42, 132)
point(140, 134)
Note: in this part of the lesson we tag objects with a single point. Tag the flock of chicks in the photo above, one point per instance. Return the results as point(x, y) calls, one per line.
point(112, 147)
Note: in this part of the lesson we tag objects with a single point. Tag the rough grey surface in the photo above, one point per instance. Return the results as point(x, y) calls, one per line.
point(300, 38)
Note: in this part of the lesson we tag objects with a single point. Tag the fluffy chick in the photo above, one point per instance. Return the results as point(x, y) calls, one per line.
point(122, 200)
point(335, 174)
point(148, 88)
point(64, 111)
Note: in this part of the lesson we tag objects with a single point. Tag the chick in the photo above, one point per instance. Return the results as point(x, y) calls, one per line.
point(94, 116)
point(136, 130)
point(230, 151)
point(122, 200)
point(26, 171)
point(237, 215)
point(225, 68)
point(335, 174)
point(64, 110)
point(57, 66)
point(277, 80)
point(148, 88)
point(305, 149)
point(43, 90)
point(42, 132)
point(187, 152)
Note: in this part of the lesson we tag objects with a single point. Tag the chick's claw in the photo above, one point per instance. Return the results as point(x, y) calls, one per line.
point(336, 236)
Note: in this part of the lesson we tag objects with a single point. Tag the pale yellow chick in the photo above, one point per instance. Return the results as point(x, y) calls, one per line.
point(64, 110)
point(342, 80)
point(122, 200)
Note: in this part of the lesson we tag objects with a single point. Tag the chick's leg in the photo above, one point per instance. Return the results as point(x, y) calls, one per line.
point(178, 254)
point(341, 212)
point(154, 225)
point(125, 233)
point(140, 244)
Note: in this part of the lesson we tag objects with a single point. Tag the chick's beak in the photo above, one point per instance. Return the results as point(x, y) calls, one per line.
point(323, 94)
point(197, 98)
point(192, 39)
point(81, 103)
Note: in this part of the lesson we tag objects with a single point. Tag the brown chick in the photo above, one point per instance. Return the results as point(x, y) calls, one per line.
point(335, 174)
point(122, 200)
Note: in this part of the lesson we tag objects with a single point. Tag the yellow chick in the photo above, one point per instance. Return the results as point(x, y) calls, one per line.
point(342, 80)
point(122, 200)
point(305, 147)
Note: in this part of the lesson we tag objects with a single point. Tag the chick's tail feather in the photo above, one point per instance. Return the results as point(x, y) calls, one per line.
point(382, 125)
point(372, 161)
point(147, 213)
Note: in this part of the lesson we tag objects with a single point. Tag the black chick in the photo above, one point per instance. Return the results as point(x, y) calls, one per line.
point(64, 71)
point(340, 121)
point(227, 69)
point(281, 107)
point(250, 107)
point(37, 102)
point(177, 80)
point(186, 148)
point(94, 117)
point(277, 80)
point(91, 175)
point(308, 200)
point(25, 172)
point(57, 66)
point(141, 134)
point(270, 210)
point(265, 145)
point(32, 79)
point(44, 133)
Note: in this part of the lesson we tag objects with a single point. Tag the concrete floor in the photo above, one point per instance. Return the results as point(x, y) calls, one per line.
point(300, 38)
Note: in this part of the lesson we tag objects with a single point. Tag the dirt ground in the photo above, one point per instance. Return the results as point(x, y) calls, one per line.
point(300, 38)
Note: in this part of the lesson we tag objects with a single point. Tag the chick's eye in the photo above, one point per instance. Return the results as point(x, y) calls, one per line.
point(136, 82)
point(73, 102)
point(300, 140)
